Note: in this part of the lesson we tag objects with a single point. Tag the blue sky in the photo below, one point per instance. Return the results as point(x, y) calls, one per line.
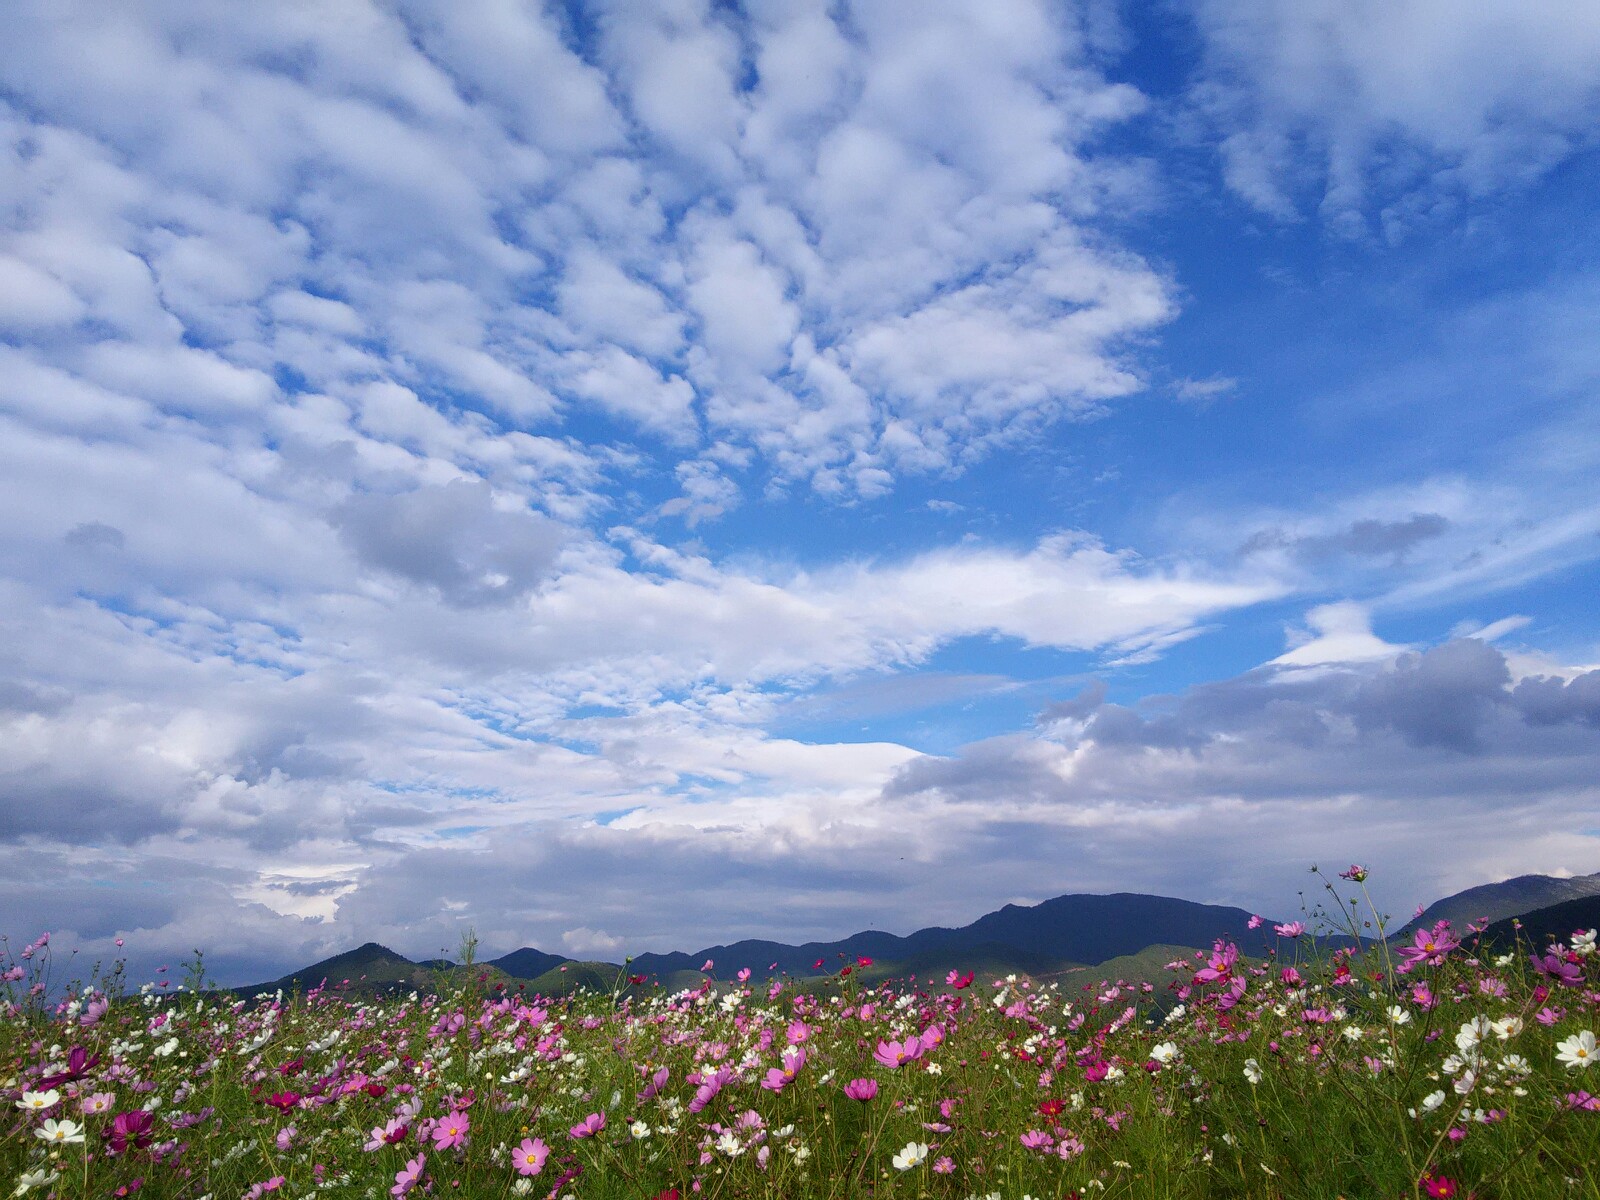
point(628, 476)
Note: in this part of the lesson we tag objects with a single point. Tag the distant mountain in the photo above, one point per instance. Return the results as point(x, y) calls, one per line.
point(1498, 901)
point(1126, 934)
point(370, 964)
point(1542, 924)
point(527, 963)
point(1079, 929)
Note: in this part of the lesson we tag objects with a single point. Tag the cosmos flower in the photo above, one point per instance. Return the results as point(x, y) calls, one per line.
point(912, 1156)
point(63, 1131)
point(1577, 1051)
point(861, 1089)
point(406, 1178)
point(529, 1158)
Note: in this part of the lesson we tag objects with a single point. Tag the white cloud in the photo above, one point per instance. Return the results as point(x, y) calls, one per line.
point(1389, 109)
point(1336, 634)
point(33, 299)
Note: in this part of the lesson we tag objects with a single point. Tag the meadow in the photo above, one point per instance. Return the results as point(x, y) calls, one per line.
point(1428, 1066)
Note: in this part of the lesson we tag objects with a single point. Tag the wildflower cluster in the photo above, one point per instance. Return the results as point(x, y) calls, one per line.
point(1298, 1067)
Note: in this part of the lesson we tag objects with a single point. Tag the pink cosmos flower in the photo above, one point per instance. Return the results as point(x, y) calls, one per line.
point(779, 1078)
point(709, 964)
point(452, 1131)
point(861, 1089)
point(1554, 966)
point(895, 1054)
point(1254, 923)
point(529, 1158)
point(99, 1102)
point(589, 1126)
point(944, 1166)
point(710, 1085)
point(1034, 1139)
point(1356, 874)
point(1428, 946)
point(393, 1131)
point(657, 1082)
point(406, 1178)
point(958, 981)
point(1290, 929)
point(1583, 1100)
point(1219, 968)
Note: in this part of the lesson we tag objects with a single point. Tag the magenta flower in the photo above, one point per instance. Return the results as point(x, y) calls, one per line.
point(452, 1131)
point(1584, 1101)
point(861, 1089)
point(129, 1131)
point(589, 1126)
point(1356, 874)
point(529, 1158)
point(79, 1063)
point(406, 1178)
point(1554, 966)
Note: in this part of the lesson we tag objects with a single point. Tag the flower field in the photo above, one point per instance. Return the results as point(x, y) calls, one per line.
point(1428, 1067)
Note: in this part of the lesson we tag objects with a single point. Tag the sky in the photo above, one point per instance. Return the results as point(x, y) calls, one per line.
point(633, 475)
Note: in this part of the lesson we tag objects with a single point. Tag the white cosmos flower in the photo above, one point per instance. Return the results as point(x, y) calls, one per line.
point(1252, 1070)
point(1164, 1052)
point(59, 1131)
point(1577, 1050)
point(1583, 942)
point(1507, 1028)
point(39, 1101)
point(1472, 1034)
point(1398, 1015)
point(911, 1156)
point(32, 1179)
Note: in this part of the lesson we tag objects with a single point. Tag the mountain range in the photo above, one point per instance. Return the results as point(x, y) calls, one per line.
point(1132, 931)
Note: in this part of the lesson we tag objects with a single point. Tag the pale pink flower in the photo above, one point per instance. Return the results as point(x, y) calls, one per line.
point(529, 1158)
point(406, 1178)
